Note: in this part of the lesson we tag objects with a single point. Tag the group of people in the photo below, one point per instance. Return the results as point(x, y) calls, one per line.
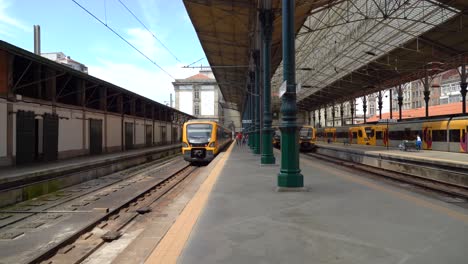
point(241, 139)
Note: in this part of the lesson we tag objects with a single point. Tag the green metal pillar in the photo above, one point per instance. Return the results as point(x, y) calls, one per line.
point(251, 116)
point(267, 135)
point(256, 80)
point(290, 173)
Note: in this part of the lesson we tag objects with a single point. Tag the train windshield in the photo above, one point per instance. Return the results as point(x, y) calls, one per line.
point(199, 133)
point(306, 132)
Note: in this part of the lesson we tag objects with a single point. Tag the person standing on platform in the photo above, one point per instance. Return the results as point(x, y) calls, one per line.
point(418, 142)
point(239, 139)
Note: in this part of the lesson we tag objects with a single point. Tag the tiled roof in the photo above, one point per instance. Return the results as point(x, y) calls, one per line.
point(436, 110)
point(198, 76)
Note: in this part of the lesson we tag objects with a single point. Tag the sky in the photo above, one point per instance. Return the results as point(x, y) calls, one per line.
point(67, 28)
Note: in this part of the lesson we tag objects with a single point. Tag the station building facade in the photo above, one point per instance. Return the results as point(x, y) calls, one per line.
point(49, 111)
point(199, 95)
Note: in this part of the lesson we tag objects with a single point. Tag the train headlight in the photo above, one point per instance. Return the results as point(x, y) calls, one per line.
point(185, 145)
point(212, 144)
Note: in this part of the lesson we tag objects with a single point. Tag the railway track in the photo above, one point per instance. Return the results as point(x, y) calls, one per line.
point(454, 191)
point(57, 228)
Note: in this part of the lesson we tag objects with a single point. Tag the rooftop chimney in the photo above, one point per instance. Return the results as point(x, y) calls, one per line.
point(37, 39)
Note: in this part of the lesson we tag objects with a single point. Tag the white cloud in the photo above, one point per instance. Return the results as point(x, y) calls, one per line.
point(153, 84)
point(144, 41)
point(8, 24)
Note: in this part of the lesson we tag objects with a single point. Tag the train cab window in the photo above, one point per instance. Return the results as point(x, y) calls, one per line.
point(199, 133)
point(454, 135)
point(360, 133)
point(305, 132)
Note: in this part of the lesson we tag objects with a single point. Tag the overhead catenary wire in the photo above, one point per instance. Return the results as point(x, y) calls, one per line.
point(122, 38)
point(152, 34)
point(195, 61)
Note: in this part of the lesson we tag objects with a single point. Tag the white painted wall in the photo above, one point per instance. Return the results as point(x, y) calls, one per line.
point(114, 134)
point(70, 132)
point(139, 131)
point(207, 102)
point(3, 128)
point(186, 102)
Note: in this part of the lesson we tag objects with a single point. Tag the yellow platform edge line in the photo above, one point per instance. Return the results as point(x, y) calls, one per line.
point(171, 245)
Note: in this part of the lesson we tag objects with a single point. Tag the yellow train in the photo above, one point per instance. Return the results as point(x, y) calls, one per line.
point(307, 138)
point(444, 133)
point(202, 140)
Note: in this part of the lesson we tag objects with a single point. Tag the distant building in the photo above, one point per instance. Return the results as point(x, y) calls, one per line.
point(450, 88)
point(61, 58)
point(444, 89)
point(199, 95)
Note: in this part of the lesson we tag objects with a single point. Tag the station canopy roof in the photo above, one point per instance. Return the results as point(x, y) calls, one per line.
point(344, 48)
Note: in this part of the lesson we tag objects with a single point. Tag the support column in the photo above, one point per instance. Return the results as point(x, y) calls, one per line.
point(364, 107)
point(342, 114)
point(320, 117)
point(325, 114)
point(290, 173)
point(463, 86)
point(51, 88)
point(391, 103)
point(333, 115)
point(352, 105)
point(427, 93)
point(400, 101)
point(256, 57)
point(313, 119)
point(267, 136)
point(250, 117)
point(380, 103)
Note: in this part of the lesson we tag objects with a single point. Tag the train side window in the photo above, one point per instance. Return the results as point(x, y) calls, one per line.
point(360, 133)
point(378, 135)
point(439, 135)
point(408, 135)
point(354, 135)
point(454, 135)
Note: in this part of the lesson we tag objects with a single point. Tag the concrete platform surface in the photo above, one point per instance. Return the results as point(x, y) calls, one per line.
point(455, 159)
point(342, 218)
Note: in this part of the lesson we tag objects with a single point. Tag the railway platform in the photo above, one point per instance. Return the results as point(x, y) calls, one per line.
point(343, 216)
point(20, 183)
point(444, 167)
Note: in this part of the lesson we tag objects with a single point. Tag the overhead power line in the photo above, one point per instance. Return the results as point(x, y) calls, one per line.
point(152, 34)
point(122, 38)
point(195, 61)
